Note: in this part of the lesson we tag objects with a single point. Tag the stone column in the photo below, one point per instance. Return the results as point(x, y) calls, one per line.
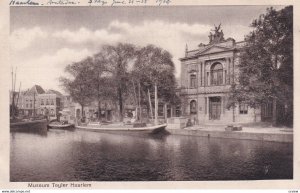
point(205, 105)
point(224, 70)
point(202, 73)
point(199, 75)
point(222, 105)
point(188, 77)
point(228, 70)
point(208, 78)
point(207, 108)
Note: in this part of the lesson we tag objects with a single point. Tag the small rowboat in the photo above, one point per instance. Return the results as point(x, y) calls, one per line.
point(59, 125)
point(121, 128)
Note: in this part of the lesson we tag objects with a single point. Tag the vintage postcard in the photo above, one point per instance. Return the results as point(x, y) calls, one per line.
point(149, 94)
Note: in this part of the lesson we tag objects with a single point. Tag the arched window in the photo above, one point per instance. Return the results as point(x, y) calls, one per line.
point(193, 107)
point(193, 81)
point(216, 74)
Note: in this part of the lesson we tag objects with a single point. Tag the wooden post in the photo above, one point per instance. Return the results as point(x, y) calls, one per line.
point(274, 112)
point(233, 113)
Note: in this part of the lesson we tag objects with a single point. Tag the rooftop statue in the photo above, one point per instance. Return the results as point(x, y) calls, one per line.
point(217, 36)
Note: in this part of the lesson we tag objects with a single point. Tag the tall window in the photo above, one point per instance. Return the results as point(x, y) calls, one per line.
point(216, 74)
point(42, 102)
point(52, 102)
point(47, 102)
point(193, 107)
point(243, 108)
point(193, 81)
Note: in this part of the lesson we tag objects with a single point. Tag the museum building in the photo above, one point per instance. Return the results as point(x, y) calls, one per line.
point(207, 74)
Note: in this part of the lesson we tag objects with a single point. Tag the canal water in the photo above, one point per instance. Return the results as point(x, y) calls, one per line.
point(59, 155)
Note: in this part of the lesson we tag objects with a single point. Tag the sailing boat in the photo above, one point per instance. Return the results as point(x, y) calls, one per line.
point(18, 123)
point(127, 128)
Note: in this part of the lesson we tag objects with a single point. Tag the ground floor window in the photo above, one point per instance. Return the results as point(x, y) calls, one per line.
point(193, 107)
point(243, 108)
point(266, 110)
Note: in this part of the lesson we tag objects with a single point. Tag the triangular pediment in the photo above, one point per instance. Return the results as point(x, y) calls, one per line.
point(213, 49)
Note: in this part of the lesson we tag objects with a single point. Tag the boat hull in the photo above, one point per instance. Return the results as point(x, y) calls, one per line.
point(63, 127)
point(29, 125)
point(124, 129)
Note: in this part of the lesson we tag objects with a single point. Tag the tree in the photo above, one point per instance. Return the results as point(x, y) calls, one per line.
point(119, 58)
point(102, 83)
point(78, 86)
point(154, 68)
point(266, 64)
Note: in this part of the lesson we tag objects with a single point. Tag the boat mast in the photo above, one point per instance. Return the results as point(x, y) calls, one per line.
point(156, 105)
point(13, 85)
point(140, 110)
point(135, 99)
point(34, 104)
point(15, 79)
point(12, 92)
point(150, 104)
point(18, 94)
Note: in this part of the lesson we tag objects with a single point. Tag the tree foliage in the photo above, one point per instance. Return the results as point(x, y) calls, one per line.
point(118, 60)
point(155, 65)
point(115, 72)
point(77, 85)
point(266, 62)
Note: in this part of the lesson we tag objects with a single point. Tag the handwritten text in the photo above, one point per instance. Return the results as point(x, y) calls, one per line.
point(20, 2)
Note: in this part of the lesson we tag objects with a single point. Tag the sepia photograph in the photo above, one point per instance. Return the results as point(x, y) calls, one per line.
point(150, 93)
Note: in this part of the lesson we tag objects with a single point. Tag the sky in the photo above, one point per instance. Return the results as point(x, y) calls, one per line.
point(44, 40)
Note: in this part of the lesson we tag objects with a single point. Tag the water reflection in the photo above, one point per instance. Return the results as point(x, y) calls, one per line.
point(90, 156)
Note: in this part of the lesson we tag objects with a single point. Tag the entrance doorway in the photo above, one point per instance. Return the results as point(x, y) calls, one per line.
point(214, 108)
point(78, 115)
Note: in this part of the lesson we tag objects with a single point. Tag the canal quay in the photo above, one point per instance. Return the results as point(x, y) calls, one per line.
point(254, 132)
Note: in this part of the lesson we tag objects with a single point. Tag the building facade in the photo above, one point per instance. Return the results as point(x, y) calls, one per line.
point(28, 101)
point(207, 74)
point(50, 103)
point(35, 101)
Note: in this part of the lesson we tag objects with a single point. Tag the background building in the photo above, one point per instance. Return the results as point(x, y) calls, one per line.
point(28, 101)
point(35, 101)
point(50, 103)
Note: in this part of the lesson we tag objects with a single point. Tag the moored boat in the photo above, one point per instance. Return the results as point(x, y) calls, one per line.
point(121, 128)
point(22, 125)
point(61, 125)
